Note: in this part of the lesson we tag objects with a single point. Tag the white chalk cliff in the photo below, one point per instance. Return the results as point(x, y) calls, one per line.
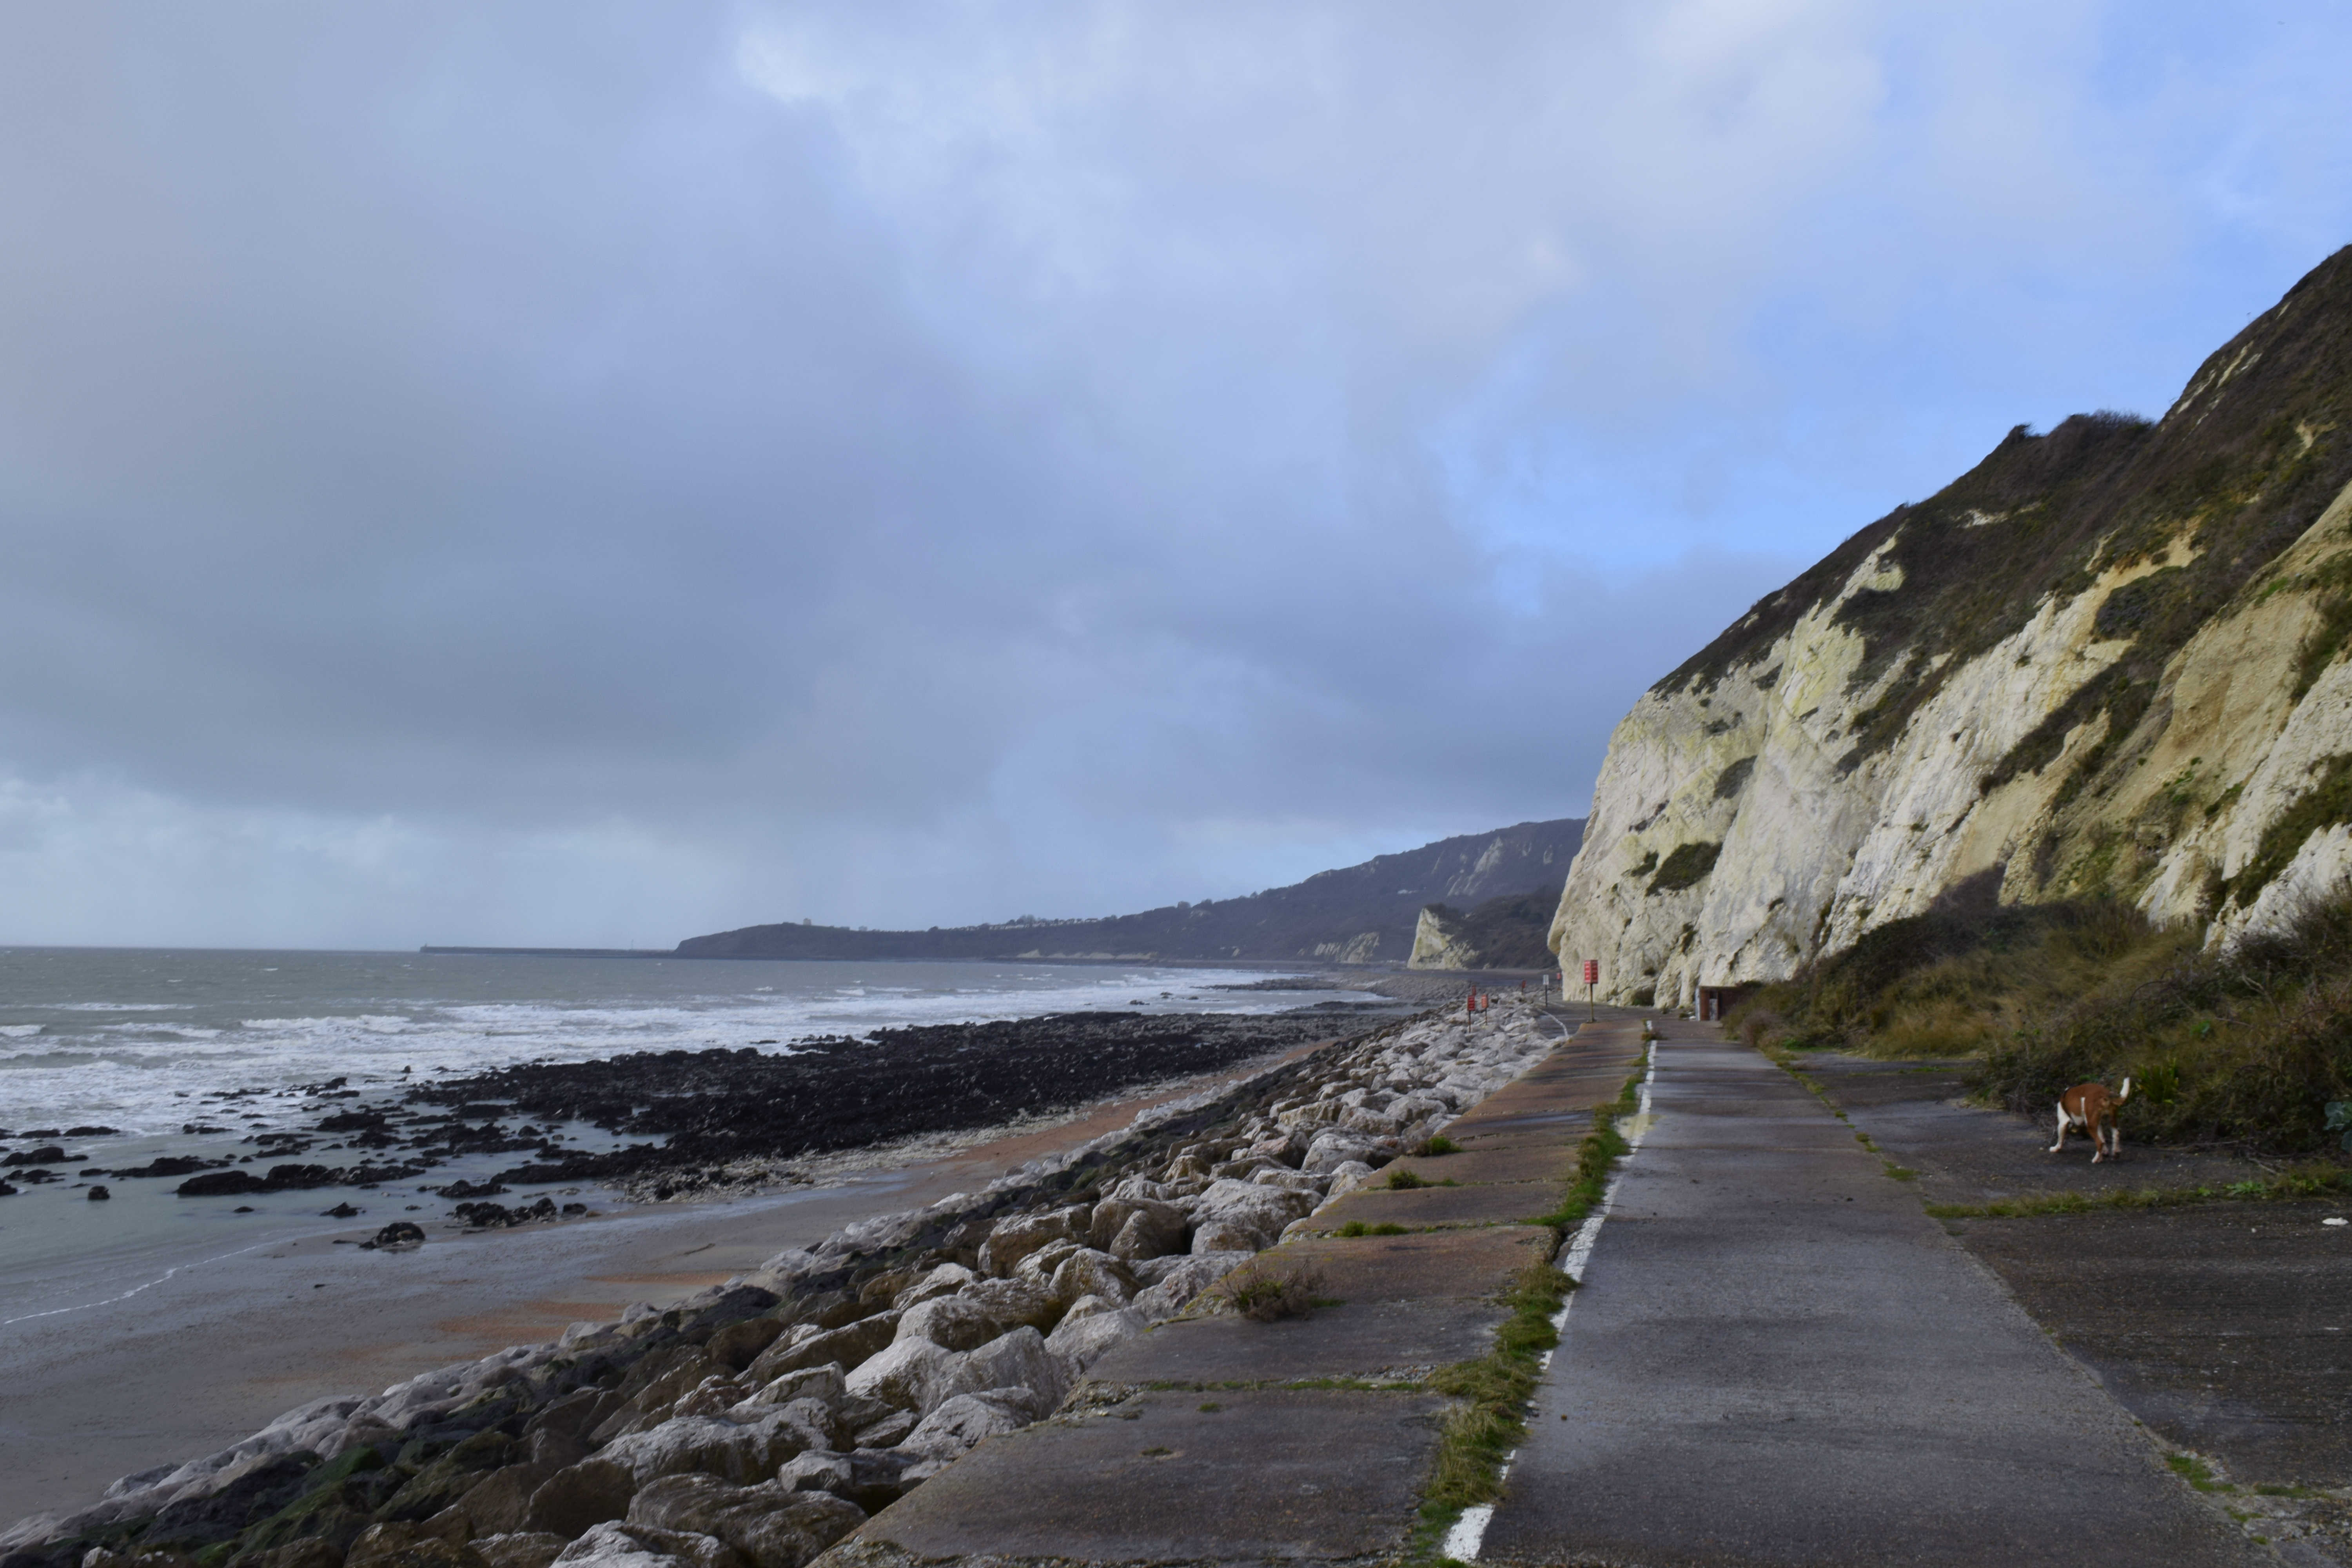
point(1439, 941)
point(2106, 661)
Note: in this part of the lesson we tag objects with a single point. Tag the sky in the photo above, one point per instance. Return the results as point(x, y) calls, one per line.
point(589, 473)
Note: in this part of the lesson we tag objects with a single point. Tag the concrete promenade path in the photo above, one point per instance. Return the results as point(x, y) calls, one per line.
point(1776, 1357)
point(1217, 1440)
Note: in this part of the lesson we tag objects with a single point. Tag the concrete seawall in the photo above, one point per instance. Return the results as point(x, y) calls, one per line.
point(1221, 1439)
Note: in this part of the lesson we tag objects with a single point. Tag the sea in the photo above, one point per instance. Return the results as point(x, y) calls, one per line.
point(130, 1054)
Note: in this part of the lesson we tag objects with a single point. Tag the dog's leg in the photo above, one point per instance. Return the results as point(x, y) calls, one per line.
point(2062, 1131)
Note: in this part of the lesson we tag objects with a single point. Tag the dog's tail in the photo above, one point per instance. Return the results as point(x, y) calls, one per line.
point(2126, 1093)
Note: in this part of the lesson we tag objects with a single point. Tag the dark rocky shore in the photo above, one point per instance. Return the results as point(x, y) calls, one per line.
point(710, 1106)
point(686, 1121)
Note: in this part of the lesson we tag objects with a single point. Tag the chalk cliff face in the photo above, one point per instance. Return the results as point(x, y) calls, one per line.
point(2106, 660)
point(1439, 941)
point(1507, 933)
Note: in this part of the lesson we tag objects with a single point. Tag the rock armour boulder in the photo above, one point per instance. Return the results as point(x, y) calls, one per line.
point(770, 1525)
point(742, 1452)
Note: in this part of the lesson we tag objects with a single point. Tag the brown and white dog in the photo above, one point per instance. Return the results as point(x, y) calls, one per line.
point(2089, 1107)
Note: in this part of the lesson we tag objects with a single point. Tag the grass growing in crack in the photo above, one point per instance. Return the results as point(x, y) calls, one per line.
point(1435, 1144)
point(1264, 1294)
point(2197, 1473)
point(1599, 1152)
point(1494, 1391)
point(1480, 1432)
point(1408, 1181)
point(2312, 1181)
point(1783, 1058)
point(1358, 1227)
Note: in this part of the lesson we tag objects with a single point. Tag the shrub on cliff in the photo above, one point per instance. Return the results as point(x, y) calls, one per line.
point(1961, 978)
point(2249, 1046)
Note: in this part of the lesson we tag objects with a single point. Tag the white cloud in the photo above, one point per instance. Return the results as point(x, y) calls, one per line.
point(524, 476)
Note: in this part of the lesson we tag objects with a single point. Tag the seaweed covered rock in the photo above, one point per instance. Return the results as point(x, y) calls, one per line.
point(580, 1497)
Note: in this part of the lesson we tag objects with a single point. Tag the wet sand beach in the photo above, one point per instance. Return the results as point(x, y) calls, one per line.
point(203, 1358)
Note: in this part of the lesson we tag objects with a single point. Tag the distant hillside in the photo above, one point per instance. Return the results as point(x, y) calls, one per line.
point(1361, 914)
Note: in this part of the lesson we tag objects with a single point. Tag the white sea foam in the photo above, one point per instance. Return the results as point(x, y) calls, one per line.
point(80, 1044)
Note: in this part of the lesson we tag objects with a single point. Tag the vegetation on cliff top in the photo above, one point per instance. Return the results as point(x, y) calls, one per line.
point(2257, 446)
point(2252, 1046)
point(2204, 502)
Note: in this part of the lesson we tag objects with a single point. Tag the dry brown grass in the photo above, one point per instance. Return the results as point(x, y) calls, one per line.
point(1264, 1293)
point(2249, 1046)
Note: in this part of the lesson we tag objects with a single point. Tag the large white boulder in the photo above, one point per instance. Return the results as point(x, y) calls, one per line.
point(1018, 1236)
point(909, 1374)
point(1246, 1208)
point(1086, 1272)
point(953, 1322)
point(961, 1424)
point(1335, 1147)
point(945, 1280)
point(1080, 1341)
point(1018, 1360)
point(770, 1525)
point(614, 1544)
point(1186, 1280)
point(741, 1452)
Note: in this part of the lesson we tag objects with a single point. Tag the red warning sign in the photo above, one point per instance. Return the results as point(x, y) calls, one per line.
point(1592, 972)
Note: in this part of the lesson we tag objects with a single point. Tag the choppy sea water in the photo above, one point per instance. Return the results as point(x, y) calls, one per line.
point(147, 1043)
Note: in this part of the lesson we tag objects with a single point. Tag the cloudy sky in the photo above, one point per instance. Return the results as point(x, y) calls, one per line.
point(595, 473)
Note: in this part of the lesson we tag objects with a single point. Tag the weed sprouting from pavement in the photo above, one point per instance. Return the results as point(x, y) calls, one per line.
point(2197, 1473)
point(1480, 1432)
point(1264, 1294)
point(1356, 1227)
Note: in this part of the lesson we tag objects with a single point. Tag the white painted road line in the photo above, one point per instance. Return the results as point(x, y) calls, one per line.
point(1469, 1531)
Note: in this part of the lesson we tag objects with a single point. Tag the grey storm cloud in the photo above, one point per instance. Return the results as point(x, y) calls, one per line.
point(560, 472)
